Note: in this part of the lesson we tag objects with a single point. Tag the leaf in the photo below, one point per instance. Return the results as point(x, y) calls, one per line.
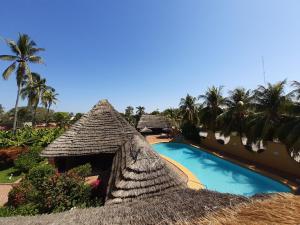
point(36, 59)
point(13, 46)
point(8, 71)
point(8, 57)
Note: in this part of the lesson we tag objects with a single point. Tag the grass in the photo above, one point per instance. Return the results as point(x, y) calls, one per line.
point(6, 173)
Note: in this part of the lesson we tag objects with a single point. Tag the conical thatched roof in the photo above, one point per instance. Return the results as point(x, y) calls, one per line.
point(137, 171)
point(153, 122)
point(102, 130)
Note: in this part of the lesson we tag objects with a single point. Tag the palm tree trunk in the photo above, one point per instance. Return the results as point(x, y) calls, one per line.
point(47, 115)
point(34, 115)
point(16, 109)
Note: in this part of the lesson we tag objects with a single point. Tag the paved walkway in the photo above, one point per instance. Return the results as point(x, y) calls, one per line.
point(4, 190)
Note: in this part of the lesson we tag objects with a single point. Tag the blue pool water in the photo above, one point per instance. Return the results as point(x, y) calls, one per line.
point(218, 174)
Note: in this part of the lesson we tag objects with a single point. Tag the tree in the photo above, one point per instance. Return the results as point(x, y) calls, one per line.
point(34, 90)
point(270, 103)
point(49, 97)
point(233, 119)
point(24, 51)
point(1, 110)
point(129, 115)
point(289, 131)
point(173, 115)
point(140, 110)
point(189, 109)
point(155, 112)
point(212, 107)
point(62, 118)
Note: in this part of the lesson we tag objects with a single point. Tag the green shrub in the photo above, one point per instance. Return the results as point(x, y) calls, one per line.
point(38, 174)
point(190, 131)
point(44, 191)
point(28, 160)
point(82, 171)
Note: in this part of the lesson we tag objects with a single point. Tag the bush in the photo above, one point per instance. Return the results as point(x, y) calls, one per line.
point(28, 160)
point(38, 174)
point(82, 171)
point(190, 131)
point(44, 191)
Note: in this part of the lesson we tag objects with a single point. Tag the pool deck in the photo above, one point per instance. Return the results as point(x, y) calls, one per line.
point(155, 139)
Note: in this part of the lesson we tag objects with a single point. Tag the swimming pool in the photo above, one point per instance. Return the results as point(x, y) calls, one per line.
point(218, 174)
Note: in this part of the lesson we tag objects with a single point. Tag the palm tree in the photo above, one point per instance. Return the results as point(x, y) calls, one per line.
point(212, 107)
point(33, 91)
point(189, 109)
point(270, 104)
point(233, 119)
point(129, 115)
point(289, 131)
point(24, 53)
point(173, 115)
point(140, 110)
point(49, 97)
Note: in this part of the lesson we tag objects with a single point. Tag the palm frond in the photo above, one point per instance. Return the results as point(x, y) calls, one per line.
point(36, 59)
point(8, 57)
point(8, 71)
point(13, 47)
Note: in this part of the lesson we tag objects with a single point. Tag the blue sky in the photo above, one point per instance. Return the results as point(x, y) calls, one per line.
point(152, 52)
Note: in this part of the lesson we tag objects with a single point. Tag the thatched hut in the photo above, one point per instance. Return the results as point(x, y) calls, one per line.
point(157, 123)
point(103, 138)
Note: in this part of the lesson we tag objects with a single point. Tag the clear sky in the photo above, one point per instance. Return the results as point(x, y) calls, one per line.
point(152, 52)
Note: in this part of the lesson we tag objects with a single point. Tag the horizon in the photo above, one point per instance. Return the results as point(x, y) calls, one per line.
point(153, 53)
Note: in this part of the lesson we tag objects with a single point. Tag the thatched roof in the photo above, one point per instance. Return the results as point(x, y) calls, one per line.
point(175, 207)
point(102, 130)
point(137, 170)
point(153, 122)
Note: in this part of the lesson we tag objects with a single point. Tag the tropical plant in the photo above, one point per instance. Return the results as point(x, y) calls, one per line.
point(129, 115)
point(140, 110)
point(189, 109)
point(24, 51)
point(49, 97)
point(270, 103)
point(233, 118)
point(1, 110)
point(63, 119)
point(212, 104)
point(173, 115)
point(47, 191)
point(34, 90)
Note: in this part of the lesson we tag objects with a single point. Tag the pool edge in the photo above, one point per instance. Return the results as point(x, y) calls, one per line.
point(292, 185)
point(193, 182)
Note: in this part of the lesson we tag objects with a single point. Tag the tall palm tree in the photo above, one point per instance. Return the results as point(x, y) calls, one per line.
point(212, 107)
point(173, 115)
point(189, 109)
point(289, 131)
point(270, 104)
point(49, 97)
point(24, 52)
point(140, 110)
point(233, 119)
point(33, 90)
point(129, 115)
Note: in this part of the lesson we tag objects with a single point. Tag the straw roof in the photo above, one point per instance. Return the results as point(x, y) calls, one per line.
point(137, 170)
point(145, 130)
point(102, 130)
point(153, 122)
point(174, 207)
